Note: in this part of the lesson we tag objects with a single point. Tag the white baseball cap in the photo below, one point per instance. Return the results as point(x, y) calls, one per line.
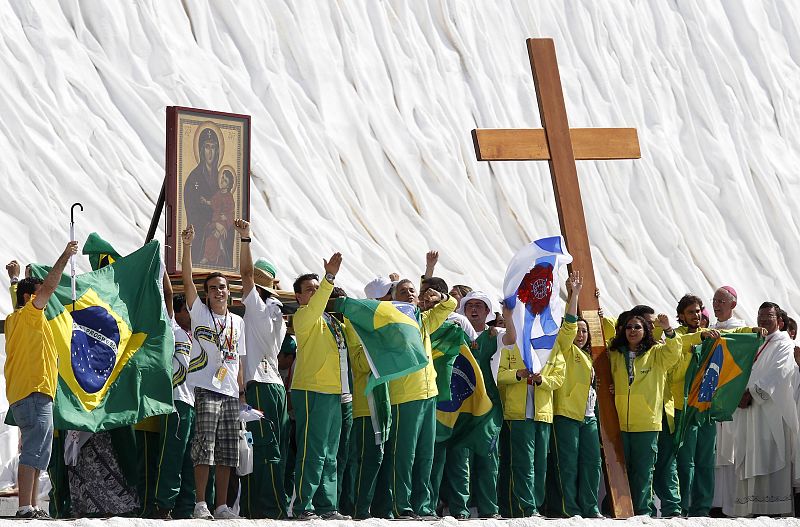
point(378, 287)
point(477, 295)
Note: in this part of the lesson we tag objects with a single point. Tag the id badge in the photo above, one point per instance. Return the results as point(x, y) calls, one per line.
point(219, 377)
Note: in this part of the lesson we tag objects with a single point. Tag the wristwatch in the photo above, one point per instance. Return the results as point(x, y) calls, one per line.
point(330, 277)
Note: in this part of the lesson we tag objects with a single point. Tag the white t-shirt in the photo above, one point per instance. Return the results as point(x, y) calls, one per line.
point(264, 328)
point(181, 389)
point(219, 339)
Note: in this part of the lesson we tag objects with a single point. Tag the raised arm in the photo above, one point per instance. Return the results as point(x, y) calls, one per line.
point(54, 276)
point(574, 286)
point(309, 315)
point(189, 289)
point(12, 268)
point(510, 336)
point(431, 259)
point(245, 257)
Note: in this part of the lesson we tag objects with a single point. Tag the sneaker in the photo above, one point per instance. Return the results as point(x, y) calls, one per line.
point(39, 514)
point(408, 515)
point(461, 516)
point(26, 513)
point(224, 512)
point(201, 512)
point(430, 518)
point(335, 515)
point(306, 515)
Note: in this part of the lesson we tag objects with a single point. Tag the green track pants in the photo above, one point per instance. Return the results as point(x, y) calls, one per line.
point(665, 474)
point(404, 481)
point(343, 475)
point(640, 458)
point(476, 478)
point(696, 459)
point(578, 466)
point(174, 487)
point(319, 422)
point(263, 493)
point(450, 478)
point(524, 446)
point(365, 462)
point(147, 455)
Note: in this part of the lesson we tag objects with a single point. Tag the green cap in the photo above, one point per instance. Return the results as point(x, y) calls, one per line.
point(265, 266)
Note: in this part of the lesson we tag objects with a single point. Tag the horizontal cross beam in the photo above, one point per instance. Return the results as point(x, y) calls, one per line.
point(504, 144)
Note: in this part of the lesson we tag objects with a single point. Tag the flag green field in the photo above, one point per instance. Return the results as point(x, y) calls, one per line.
point(716, 379)
point(115, 348)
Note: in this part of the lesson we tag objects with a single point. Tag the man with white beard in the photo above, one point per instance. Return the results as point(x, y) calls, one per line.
point(767, 426)
point(724, 303)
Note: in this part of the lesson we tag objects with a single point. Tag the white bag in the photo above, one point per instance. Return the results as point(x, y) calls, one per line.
point(245, 451)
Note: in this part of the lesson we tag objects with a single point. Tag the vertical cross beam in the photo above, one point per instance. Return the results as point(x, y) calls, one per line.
point(558, 150)
point(564, 175)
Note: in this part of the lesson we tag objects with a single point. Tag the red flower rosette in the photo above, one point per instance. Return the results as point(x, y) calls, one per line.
point(535, 289)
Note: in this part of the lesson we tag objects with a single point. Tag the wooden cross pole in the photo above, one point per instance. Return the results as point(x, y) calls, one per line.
point(561, 146)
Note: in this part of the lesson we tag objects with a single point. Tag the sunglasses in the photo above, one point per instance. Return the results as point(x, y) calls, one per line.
point(634, 328)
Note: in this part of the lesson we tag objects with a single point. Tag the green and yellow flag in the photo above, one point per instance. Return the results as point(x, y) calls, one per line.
point(390, 332)
point(115, 348)
point(445, 345)
point(716, 379)
point(468, 419)
point(99, 251)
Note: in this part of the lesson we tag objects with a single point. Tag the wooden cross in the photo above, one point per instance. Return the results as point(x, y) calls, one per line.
point(561, 146)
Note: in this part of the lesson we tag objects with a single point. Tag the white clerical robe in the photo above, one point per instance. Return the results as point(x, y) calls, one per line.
point(767, 432)
point(724, 471)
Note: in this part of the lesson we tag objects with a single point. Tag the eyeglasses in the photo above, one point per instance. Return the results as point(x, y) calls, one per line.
point(637, 327)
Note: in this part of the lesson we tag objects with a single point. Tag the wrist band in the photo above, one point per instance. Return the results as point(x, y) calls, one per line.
point(246, 240)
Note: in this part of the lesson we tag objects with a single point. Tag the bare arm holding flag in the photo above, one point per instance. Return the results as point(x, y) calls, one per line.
point(54, 276)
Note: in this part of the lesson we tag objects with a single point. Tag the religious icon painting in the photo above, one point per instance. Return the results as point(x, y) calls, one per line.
point(208, 186)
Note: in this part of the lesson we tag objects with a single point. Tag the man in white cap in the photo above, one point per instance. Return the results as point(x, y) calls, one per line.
point(263, 494)
point(478, 310)
point(379, 288)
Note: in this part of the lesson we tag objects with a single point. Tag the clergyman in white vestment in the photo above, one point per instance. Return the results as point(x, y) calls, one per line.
point(767, 426)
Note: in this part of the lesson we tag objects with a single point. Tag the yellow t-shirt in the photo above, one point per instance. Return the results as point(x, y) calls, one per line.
point(31, 356)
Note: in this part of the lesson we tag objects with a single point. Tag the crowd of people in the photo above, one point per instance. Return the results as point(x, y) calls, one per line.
point(315, 453)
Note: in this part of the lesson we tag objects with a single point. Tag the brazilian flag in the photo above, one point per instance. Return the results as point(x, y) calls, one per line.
point(114, 347)
point(391, 335)
point(468, 419)
point(99, 251)
point(445, 345)
point(716, 379)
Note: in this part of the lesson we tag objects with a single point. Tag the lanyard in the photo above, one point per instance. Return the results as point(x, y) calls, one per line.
point(219, 331)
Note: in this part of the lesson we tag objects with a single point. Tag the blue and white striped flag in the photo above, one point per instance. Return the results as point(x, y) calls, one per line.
point(530, 289)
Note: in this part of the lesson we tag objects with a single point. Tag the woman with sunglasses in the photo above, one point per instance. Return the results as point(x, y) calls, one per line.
point(639, 368)
point(577, 449)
